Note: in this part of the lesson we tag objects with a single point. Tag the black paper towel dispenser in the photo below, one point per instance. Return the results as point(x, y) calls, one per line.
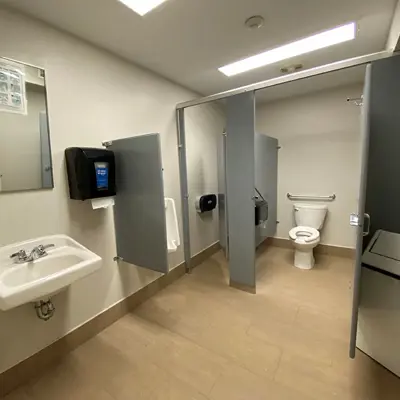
point(91, 172)
point(206, 203)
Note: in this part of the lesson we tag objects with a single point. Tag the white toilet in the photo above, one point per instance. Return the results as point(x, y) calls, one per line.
point(305, 236)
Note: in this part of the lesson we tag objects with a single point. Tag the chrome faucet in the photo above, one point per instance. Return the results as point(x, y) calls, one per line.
point(37, 252)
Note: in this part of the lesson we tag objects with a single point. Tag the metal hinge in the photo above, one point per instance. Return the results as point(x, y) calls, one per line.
point(107, 143)
point(354, 219)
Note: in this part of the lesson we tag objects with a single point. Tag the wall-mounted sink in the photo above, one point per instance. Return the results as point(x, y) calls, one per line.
point(65, 263)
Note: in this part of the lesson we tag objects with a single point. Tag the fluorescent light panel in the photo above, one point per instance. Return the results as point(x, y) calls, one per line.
point(337, 35)
point(142, 7)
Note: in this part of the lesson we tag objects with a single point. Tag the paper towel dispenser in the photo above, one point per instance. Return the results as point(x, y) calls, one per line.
point(206, 203)
point(91, 172)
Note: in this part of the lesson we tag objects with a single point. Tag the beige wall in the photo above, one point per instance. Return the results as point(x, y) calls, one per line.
point(93, 96)
point(20, 154)
point(320, 138)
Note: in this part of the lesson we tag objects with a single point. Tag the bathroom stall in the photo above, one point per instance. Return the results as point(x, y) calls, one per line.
point(239, 163)
point(239, 178)
point(238, 191)
point(317, 123)
point(250, 159)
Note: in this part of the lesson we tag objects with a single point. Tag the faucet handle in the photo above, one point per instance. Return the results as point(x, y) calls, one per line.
point(45, 246)
point(41, 249)
point(21, 254)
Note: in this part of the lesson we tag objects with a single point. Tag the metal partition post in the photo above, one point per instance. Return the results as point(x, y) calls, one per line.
point(240, 182)
point(180, 121)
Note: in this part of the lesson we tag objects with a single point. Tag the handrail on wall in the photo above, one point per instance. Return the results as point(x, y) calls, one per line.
point(311, 198)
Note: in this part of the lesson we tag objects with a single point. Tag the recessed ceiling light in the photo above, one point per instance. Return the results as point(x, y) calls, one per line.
point(142, 7)
point(337, 35)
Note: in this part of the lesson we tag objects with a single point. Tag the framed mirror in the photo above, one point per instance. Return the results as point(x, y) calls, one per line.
point(25, 152)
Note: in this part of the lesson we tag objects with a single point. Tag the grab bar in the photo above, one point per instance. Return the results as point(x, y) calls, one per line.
point(311, 198)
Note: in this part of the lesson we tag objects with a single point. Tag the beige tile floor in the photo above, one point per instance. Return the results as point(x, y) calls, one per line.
point(199, 339)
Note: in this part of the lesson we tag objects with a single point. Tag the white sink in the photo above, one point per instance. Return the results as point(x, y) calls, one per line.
point(66, 262)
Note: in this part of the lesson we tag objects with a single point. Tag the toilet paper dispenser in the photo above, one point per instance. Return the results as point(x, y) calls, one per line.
point(205, 203)
point(91, 172)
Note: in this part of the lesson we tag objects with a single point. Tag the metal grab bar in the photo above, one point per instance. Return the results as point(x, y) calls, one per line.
point(311, 198)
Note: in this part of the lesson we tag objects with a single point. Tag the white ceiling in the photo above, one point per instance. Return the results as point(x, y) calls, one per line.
point(187, 40)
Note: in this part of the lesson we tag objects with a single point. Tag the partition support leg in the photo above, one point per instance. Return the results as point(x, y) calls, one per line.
point(180, 121)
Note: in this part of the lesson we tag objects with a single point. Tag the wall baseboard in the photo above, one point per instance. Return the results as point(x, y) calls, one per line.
point(200, 257)
point(338, 251)
point(34, 365)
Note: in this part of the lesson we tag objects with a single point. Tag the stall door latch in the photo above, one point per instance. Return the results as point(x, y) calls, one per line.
point(355, 221)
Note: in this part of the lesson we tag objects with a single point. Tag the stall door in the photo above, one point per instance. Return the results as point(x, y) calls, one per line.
point(380, 188)
point(358, 219)
point(139, 211)
point(240, 182)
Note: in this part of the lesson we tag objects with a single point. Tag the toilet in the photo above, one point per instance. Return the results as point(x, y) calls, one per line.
point(309, 219)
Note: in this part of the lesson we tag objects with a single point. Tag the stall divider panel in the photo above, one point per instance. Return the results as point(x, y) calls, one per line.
point(266, 178)
point(240, 181)
point(139, 211)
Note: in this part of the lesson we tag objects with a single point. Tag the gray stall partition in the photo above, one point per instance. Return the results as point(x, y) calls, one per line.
point(139, 211)
point(266, 178)
point(240, 190)
point(266, 185)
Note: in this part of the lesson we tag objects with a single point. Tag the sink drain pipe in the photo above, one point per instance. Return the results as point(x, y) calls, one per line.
point(44, 309)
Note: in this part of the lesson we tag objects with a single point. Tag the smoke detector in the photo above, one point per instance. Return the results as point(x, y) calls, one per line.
point(254, 22)
point(289, 69)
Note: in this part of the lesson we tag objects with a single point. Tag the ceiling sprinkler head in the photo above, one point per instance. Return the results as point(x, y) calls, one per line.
point(254, 22)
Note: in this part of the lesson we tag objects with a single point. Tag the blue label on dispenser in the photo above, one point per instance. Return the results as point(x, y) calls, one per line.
point(101, 175)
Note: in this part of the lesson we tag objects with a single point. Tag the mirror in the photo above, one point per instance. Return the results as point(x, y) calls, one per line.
point(25, 155)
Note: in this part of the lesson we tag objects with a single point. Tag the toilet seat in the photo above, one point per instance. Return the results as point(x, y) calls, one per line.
point(304, 234)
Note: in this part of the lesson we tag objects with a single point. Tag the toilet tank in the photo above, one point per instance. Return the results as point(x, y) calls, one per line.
point(312, 215)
